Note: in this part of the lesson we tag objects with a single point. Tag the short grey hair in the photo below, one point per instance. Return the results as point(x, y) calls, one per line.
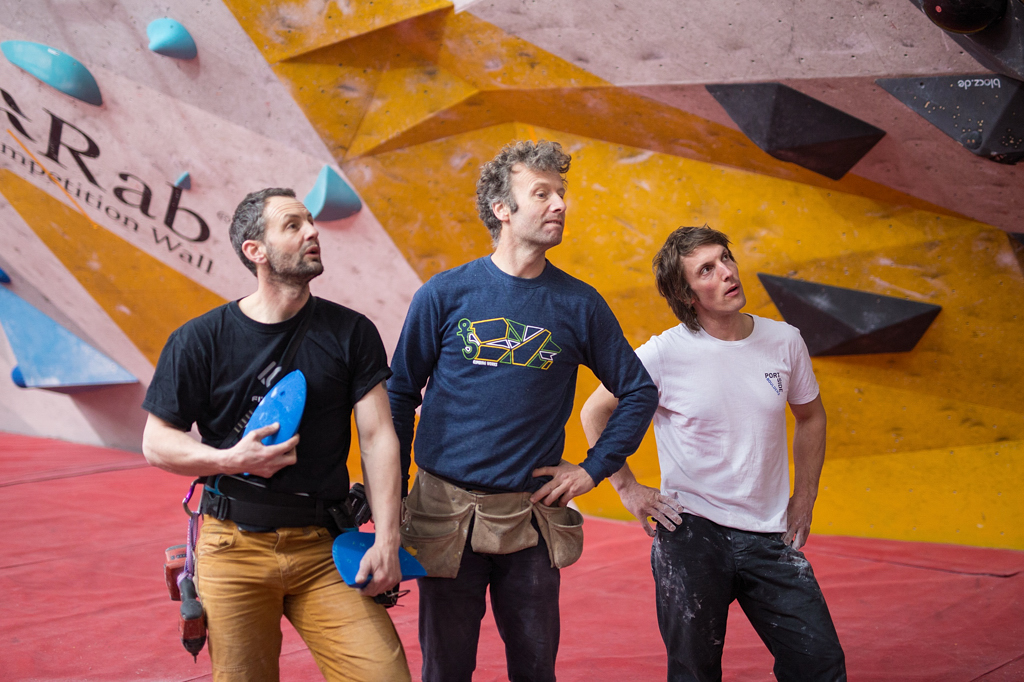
point(495, 183)
point(250, 221)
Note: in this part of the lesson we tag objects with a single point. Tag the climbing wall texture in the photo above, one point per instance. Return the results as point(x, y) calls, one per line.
point(411, 98)
point(407, 98)
point(96, 235)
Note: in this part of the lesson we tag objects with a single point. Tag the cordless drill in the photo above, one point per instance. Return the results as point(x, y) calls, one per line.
point(192, 624)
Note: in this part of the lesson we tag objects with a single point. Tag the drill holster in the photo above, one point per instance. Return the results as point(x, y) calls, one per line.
point(174, 564)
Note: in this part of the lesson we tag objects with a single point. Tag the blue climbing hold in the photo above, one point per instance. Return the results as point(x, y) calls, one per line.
point(53, 67)
point(184, 181)
point(283, 404)
point(331, 197)
point(49, 356)
point(4, 278)
point(348, 551)
point(169, 38)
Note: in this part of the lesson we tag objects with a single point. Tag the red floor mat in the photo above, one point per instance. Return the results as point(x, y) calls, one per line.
point(84, 596)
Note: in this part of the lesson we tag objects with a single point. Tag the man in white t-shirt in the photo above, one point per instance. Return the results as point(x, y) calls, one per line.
point(727, 525)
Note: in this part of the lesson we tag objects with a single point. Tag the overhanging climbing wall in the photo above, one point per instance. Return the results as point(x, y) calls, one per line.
point(411, 98)
point(405, 99)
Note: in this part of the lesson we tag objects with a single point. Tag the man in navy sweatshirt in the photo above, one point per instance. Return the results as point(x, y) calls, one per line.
point(498, 342)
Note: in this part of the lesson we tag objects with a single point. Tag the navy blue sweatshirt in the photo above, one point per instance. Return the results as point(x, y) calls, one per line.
point(499, 356)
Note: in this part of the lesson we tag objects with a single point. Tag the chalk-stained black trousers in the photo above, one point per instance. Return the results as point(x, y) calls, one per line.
point(701, 567)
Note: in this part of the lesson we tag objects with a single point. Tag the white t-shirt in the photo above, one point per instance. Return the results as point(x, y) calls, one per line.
point(721, 420)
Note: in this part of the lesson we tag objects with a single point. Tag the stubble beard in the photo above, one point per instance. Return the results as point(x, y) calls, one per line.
point(295, 274)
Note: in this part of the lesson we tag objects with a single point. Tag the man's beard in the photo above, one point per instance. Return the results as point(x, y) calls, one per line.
point(297, 272)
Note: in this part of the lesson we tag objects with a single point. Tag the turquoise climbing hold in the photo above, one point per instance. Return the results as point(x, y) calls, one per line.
point(169, 38)
point(331, 197)
point(4, 278)
point(184, 181)
point(53, 67)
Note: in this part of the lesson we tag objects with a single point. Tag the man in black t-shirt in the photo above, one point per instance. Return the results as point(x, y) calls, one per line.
point(270, 512)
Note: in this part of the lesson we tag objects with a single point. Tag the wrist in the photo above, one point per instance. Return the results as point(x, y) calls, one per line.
point(805, 494)
point(387, 538)
point(228, 462)
point(622, 483)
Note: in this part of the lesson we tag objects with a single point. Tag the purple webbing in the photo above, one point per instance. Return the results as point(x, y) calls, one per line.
point(193, 535)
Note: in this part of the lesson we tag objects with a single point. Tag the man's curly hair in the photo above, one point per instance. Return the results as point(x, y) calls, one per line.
point(670, 276)
point(495, 183)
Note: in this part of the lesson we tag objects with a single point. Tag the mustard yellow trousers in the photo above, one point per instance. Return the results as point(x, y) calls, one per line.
point(247, 581)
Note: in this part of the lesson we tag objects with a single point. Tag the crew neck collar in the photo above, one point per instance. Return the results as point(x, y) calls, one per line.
point(722, 342)
point(526, 283)
point(271, 327)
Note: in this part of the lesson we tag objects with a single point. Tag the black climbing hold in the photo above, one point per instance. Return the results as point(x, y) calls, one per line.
point(999, 45)
point(794, 127)
point(1016, 243)
point(964, 16)
point(838, 321)
point(983, 112)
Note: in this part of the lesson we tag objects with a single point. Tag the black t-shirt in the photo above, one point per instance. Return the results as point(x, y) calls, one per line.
point(209, 364)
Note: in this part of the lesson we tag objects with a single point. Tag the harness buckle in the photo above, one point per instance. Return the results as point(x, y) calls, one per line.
point(216, 506)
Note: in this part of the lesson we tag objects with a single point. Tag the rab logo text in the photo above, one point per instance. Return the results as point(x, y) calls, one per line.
point(774, 380)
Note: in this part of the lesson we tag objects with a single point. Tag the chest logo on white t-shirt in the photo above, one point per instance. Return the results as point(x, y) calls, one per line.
point(774, 380)
point(507, 342)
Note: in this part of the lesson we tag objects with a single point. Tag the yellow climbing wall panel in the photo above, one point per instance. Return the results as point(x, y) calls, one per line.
point(966, 495)
point(145, 298)
point(285, 29)
point(413, 100)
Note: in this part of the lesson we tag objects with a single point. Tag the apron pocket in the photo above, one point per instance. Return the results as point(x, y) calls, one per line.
point(503, 533)
point(436, 540)
point(562, 528)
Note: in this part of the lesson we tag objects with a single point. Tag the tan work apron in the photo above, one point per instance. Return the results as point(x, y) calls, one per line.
point(437, 517)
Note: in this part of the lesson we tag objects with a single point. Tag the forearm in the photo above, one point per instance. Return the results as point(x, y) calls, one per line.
point(595, 414)
point(622, 479)
point(382, 474)
point(381, 469)
point(808, 455)
point(174, 450)
point(403, 414)
point(623, 431)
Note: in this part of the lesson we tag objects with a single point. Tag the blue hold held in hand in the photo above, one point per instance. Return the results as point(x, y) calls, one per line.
point(283, 404)
point(348, 551)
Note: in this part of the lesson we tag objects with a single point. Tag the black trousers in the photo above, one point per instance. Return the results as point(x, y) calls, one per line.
point(701, 567)
point(524, 598)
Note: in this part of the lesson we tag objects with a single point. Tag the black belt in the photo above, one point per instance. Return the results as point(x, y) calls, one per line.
point(252, 505)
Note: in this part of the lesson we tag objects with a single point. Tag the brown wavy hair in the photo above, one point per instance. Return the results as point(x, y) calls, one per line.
point(668, 269)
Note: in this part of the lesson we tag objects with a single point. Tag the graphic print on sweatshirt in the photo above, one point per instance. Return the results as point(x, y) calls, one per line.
point(775, 381)
point(504, 341)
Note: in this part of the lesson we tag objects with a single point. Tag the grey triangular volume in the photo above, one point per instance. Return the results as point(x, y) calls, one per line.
point(794, 127)
point(750, 106)
point(839, 321)
point(983, 112)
